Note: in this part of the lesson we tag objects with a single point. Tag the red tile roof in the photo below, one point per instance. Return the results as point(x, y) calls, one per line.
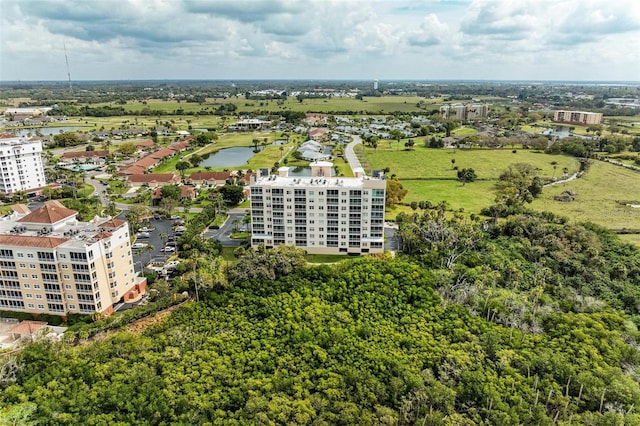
point(154, 177)
point(147, 143)
point(147, 161)
point(112, 223)
point(210, 175)
point(178, 146)
point(26, 328)
point(187, 192)
point(30, 241)
point(162, 153)
point(51, 212)
point(85, 154)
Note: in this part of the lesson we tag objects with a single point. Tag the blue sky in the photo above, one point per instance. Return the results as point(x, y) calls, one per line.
point(318, 39)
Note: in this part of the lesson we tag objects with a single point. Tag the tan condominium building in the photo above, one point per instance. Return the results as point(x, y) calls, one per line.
point(51, 263)
point(464, 112)
point(577, 117)
point(322, 214)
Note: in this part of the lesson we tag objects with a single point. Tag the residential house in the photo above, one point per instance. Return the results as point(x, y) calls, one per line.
point(91, 157)
point(210, 178)
point(152, 180)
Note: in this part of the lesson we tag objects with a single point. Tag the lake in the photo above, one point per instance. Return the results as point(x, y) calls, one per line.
point(305, 171)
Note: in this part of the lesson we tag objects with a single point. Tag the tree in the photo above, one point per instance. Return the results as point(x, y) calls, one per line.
point(266, 265)
point(170, 191)
point(555, 166)
point(182, 167)
point(449, 126)
point(395, 192)
point(67, 139)
point(127, 148)
point(409, 144)
point(518, 185)
point(466, 175)
point(195, 160)
point(232, 194)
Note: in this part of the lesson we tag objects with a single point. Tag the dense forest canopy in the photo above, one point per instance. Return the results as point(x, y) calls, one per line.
point(528, 320)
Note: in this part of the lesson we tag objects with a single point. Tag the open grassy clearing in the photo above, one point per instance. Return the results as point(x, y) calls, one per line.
point(428, 163)
point(471, 197)
point(601, 197)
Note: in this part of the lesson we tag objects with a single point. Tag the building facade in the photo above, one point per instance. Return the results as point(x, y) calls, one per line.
point(21, 164)
point(51, 263)
point(577, 117)
point(319, 213)
point(464, 112)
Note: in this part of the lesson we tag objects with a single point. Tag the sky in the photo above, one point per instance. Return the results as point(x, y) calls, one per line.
point(583, 40)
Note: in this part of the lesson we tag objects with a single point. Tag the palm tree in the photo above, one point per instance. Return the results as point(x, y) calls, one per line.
point(163, 238)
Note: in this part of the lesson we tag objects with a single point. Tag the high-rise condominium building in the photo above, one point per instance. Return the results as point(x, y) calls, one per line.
point(320, 213)
point(577, 117)
point(21, 167)
point(51, 263)
point(464, 112)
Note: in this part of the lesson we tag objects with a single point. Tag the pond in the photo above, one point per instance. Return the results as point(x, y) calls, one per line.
point(47, 131)
point(229, 157)
point(236, 156)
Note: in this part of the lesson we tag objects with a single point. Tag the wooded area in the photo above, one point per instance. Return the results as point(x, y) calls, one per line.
point(517, 322)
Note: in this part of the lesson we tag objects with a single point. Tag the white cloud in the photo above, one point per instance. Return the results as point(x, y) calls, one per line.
point(543, 39)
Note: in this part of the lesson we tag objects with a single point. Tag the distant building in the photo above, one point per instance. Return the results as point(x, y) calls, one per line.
point(375, 84)
point(464, 112)
point(577, 117)
point(319, 213)
point(54, 264)
point(22, 168)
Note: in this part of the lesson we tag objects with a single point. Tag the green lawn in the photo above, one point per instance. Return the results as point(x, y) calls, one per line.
point(327, 258)
point(428, 163)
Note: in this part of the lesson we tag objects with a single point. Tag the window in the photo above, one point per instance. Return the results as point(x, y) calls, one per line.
point(72, 306)
point(65, 266)
point(30, 305)
point(70, 296)
point(29, 295)
point(24, 275)
point(36, 286)
point(30, 255)
point(20, 254)
point(41, 307)
point(34, 276)
point(38, 296)
point(22, 265)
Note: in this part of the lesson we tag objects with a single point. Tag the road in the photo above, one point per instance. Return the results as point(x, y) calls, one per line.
point(223, 234)
point(350, 155)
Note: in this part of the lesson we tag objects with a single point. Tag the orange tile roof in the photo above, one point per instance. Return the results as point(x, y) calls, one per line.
point(30, 241)
point(112, 223)
point(179, 145)
point(51, 212)
point(20, 208)
point(26, 328)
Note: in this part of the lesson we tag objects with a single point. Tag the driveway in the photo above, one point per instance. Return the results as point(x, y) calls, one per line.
point(162, 226)
point(223, 234)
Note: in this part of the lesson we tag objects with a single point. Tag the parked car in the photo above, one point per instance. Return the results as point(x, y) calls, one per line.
point(168, 249)
point(138, 245)
point(145, 229)
point(171, 244)
point(215, 226)
point(143, 235)
point(174, 217)
point(180, 229)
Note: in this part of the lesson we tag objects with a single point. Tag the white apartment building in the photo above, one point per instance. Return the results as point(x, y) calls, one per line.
point(319, 213)
point(577, 117)
point(51, 263)
point(464, 112)
point(21, 166)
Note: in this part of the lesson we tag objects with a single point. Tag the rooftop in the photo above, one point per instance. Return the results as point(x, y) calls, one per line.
point(308, 181)
point(51, 212)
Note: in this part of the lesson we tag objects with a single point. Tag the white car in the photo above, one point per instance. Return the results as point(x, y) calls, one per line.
point(143, 235)
point(168, 249)
point(138, 245)
point(145, 229)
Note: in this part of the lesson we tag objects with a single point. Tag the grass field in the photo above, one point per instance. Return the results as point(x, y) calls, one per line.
point(428, 163)
point(602, 195)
